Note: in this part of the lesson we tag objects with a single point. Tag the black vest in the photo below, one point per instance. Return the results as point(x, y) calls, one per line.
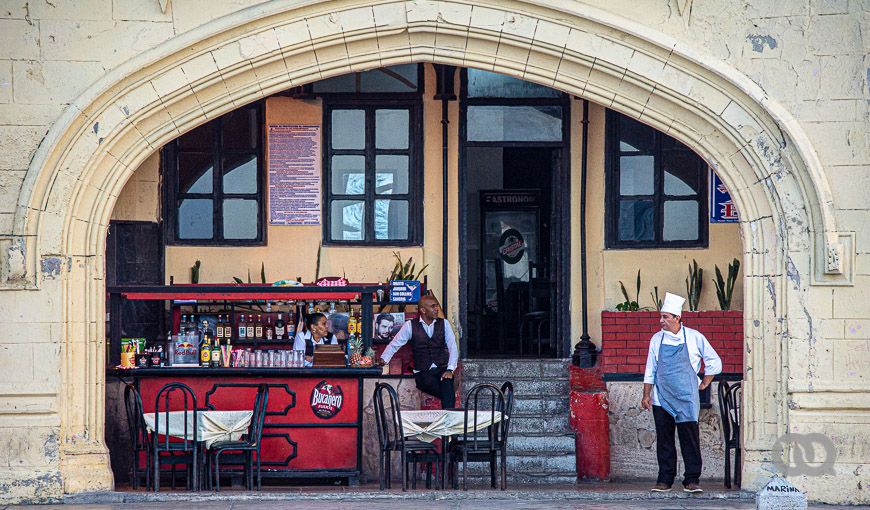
point(309, 344)
point(429, 350)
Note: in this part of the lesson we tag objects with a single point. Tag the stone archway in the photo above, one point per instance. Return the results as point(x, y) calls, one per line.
point(759, 151)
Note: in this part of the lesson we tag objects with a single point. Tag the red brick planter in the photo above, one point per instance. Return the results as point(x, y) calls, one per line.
point(625, 338)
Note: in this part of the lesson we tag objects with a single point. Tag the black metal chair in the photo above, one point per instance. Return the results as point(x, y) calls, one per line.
point(245, 447)
point(536, 320)
point(487, 444)
point(176, 450)
point(730, 397)
point(140, 440)
point(391, 438)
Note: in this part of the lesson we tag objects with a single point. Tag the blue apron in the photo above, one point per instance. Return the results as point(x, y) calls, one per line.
point(676, 382)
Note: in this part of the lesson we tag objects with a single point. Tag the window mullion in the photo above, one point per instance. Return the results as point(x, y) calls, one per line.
point(658, 199)
point(370, 175)
point(217, 205)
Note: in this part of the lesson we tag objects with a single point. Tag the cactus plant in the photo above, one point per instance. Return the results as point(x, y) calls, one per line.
point(725, 289)
point(694, 283)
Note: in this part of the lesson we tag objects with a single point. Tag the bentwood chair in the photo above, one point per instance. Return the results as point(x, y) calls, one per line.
point(729, 408)
point(487, 444)
point(391, 438)
point(140, 440)
point(246, 447)
point(176, 450)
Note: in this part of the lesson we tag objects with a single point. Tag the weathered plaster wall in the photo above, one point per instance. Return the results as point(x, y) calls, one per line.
point(787, 124)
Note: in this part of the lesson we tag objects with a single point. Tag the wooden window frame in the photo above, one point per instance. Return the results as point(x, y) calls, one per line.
point(612, 195)
point(171, 193)
point(414, 105)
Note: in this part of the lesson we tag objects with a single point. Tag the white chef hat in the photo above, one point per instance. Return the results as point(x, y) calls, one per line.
point(673, 304)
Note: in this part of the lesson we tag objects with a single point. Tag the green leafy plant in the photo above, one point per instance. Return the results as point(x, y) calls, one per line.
point(693, 285)
point(655, 297)
point(194, 272)
point(630, 305)
point(404, 270)
point(725, 289)
point(262, 275)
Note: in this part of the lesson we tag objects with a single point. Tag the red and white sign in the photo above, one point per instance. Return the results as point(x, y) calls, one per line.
point(326, 400)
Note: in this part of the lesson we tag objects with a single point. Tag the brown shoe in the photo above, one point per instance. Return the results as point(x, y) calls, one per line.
point(693, 488)
point(661, 487)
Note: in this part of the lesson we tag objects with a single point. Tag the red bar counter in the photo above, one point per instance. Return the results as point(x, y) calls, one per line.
point(313, 424)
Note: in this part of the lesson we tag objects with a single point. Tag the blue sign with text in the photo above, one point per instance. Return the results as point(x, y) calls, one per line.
point(404, 291)
point(722, 208)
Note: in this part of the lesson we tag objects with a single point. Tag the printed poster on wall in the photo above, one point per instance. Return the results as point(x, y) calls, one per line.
point(722, 208)
point(294, 175)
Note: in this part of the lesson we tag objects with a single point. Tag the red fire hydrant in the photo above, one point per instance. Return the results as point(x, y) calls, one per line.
point(588, 420)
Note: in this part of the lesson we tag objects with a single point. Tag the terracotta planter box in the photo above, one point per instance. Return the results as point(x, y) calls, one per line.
point(625, 338)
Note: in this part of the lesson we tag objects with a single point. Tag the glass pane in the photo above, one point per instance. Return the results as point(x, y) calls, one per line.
point(344, 83)
point(348, 175)
point(636, 220)
point(488, 84)
point(391, 129)
point(199, 139)
point(402, 78)
point(682, 173)
point(240, 218)
point(195, 173)
point(348, 129)
point(347, 220)
point(240, 174)
point(391, 219)
point(635, 136)
point(636, 175)
point(240, 129)
point(515, 123)
point(391, 175)
point(680, 220)
point(195, 219)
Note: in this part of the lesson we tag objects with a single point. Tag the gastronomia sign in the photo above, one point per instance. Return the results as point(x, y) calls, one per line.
point(326, 400)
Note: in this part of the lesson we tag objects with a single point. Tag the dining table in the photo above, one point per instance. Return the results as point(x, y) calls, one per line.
point(431, 424)
point(212, 426)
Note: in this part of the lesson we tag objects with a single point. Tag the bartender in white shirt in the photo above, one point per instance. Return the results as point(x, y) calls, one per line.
point(435, 352)
point(316, 333)
point(670, 390)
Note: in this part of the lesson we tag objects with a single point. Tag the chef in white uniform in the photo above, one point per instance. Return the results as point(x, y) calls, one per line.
point(670, 390)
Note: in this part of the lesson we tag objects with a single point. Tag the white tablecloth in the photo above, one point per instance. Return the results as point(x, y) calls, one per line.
point(213, 425)
point(431, 425)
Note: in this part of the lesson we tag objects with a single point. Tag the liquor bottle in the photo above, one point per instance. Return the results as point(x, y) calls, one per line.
point(331, 307)
point(279, 328)
point(258, 327)
point(219, 327)
point(205, 351)
point(182, 326)
point(192, 325)
point(268, 329)
point(291, 325)
point(216, 354)
point(243, 331)
point(351, 325)
point(249, 327)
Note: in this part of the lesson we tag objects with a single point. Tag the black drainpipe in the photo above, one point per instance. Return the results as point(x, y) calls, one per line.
point(584, 352)
point(444, 85)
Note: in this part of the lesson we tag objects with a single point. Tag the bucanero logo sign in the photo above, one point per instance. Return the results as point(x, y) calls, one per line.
point(326, 400)
point(511, 246)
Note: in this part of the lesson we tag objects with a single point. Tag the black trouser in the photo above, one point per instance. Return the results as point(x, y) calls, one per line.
point(666, 451)
point(429, 381)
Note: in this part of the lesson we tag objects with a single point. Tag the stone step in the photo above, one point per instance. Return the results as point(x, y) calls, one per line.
point(532, 387)
point(541, 445)
point(564, 465)
point(515, 481)
point(515, 369)
point(553, 424)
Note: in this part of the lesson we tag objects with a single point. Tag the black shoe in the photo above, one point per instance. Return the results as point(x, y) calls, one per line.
point(661, 487)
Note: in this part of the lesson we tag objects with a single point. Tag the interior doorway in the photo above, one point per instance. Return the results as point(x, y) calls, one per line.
point(508, 194)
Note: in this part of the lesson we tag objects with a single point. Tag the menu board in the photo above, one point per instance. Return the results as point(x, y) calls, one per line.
point(294, 175)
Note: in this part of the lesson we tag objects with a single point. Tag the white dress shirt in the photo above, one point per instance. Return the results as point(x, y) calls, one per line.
point(404, 335)
point(698, 346)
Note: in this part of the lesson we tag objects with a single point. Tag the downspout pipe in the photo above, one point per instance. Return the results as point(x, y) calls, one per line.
point(585, 354)
point(445, 92)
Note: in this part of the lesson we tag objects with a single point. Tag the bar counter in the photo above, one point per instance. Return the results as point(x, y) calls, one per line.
point(314, 417)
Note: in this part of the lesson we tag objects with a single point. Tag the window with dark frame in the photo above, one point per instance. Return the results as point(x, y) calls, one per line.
point(213, 182)
point(656, 189)
point(372, 162)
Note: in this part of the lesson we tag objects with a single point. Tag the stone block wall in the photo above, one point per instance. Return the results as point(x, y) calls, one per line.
point(625, 338)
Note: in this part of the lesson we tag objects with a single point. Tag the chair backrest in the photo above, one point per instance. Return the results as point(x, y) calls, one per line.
point(135, 418)
point(507, 389)
point(389, 422)
point(481, 399)
point(258, 419)
point(729, 409)
point(188, 399)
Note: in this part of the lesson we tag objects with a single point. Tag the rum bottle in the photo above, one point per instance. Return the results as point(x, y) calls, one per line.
point(279, 328)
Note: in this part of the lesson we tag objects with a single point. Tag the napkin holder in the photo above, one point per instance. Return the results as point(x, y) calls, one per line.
point(329, 356)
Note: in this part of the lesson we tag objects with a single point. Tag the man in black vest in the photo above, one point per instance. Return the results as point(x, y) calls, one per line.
point(435, 351)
